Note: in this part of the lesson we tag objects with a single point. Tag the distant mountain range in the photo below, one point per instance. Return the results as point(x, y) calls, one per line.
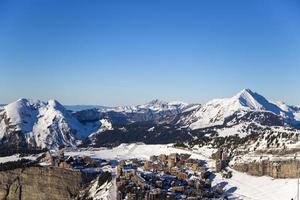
point(35, 124)
point(76, 108)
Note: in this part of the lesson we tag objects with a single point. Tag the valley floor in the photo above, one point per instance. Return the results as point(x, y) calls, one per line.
point(240, 186)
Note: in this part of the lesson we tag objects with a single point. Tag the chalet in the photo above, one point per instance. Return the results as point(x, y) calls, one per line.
point(177, 189)
point(162, 158)
point(184, 156)
point(64, 165)
point(182, 176)
point(47, 158)
point(119, 171)
point(171, 162)
point(122, 163)
point(153, 158)
point(174, 156)
point(148, 166)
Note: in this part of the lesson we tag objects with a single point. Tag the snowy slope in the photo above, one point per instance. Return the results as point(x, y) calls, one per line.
point(17, 157)
point(217, 111)
point(23, 113)
point(107, 191)
point(246, 187)
point(105, 125)
point(129, 151)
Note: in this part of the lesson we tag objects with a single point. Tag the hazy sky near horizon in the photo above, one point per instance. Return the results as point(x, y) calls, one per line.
point(128, 52)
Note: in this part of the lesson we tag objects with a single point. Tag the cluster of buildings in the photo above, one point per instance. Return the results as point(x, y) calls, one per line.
point(174, 176)
point(68, 162)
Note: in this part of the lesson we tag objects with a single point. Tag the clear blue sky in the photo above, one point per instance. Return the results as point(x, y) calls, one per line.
point(129, 52)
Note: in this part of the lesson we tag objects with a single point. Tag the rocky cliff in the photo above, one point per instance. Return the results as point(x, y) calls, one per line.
point(275, 169)
point(41, 183)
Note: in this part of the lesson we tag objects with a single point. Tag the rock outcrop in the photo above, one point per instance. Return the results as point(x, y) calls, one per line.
point(41, 183)
point(275, 169)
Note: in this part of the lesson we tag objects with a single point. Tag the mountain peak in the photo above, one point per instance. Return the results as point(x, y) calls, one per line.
point(23, 103)
point(55, 104)
point(26, 101)
point(156, 102)
point(245, 91)
point(250, 99)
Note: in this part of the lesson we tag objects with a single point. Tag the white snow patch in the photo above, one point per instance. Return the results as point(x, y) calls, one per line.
point(17, 157)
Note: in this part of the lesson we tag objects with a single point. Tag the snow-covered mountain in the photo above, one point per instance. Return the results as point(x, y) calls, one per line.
point(32, 124)
point(40, 124)
point(245, 106)
point(36, 124)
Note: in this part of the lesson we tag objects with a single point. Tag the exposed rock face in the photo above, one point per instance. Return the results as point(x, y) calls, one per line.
point(275, 169)
point(41, 183)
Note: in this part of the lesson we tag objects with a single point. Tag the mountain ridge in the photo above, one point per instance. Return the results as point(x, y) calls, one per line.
point(49, 124)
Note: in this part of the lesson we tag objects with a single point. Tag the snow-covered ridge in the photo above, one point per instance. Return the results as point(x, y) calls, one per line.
point(155, 105)
point(43, 124)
